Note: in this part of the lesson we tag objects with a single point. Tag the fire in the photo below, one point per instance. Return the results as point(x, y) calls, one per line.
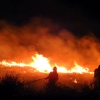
point(75, 81)
point(79, 69)
point(12, 64)
point(41, 64)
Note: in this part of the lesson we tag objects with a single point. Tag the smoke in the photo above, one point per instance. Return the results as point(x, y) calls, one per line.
point(45, 37)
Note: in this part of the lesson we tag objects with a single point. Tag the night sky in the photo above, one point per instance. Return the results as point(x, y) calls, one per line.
point(78, 17)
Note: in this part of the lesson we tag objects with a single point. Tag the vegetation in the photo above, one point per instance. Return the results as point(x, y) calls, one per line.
point(12, 87)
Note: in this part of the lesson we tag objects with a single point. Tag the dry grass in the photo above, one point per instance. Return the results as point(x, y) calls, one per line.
point(10, 86)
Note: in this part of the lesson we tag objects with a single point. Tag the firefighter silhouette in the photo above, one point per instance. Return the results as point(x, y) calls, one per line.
point(97, 77)
point(52, 79)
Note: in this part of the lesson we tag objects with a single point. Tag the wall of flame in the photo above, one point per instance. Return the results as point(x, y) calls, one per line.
point(56, 46)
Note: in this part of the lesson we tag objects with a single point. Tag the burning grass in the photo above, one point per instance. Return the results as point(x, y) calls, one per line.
point(30, 51)
point(42, 64)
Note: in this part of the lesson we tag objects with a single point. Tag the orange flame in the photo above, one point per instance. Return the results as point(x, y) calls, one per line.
point(42, 64)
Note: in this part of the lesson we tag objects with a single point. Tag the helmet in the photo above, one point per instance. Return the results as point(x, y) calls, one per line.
point(55, 68)
point(99, 67)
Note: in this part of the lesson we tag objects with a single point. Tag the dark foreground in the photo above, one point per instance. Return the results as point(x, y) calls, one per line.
point(12, 88)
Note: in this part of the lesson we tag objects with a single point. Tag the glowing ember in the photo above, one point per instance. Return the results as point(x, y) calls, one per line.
point(42, 64)
point(75, 81)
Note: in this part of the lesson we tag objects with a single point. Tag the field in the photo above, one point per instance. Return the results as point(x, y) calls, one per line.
point(30, 84)
point(28, 74)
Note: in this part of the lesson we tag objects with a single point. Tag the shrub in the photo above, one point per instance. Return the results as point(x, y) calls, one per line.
point(10, 86)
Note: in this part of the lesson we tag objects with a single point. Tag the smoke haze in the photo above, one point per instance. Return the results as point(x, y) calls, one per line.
point(45, 37)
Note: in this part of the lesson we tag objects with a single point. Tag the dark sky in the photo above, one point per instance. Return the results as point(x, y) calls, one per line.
point(79, 17)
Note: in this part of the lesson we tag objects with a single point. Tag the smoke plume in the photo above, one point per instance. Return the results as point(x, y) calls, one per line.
point(60, 46)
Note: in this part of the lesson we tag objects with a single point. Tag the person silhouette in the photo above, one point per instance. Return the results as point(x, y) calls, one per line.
point(52, 77)
point(97, 77)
